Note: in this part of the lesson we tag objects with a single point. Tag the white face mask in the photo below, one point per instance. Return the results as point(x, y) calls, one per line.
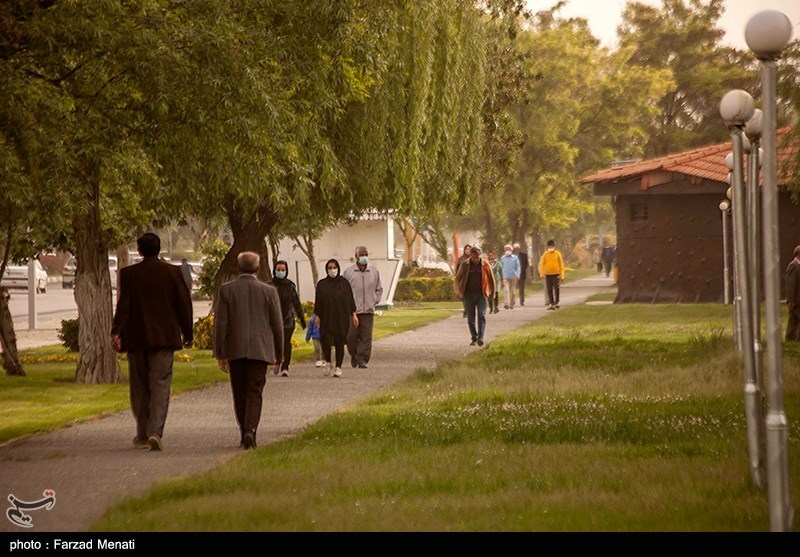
point(332, 273)
point(508, 253)
point(551, 249)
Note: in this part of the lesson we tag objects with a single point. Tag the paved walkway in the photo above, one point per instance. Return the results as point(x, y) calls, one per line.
point(92, 465)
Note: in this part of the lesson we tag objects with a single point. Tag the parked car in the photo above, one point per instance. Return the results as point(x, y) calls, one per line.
point(71, 267)
point(68, 273)
point(16, 276)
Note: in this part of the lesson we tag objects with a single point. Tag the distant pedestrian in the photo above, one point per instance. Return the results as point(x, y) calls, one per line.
point(290, 306)
point(474, 283)
point(551, 269)
point(248, 337)
point(365, 281)
point(335, 309)
point(597, 258)
point(793, 297)
point(153, 319)
point(608, 255)
point(497, 274)
point(461, 259)
point(511, 273)
point(312, 334)
point(186, 271)
point(522, 255)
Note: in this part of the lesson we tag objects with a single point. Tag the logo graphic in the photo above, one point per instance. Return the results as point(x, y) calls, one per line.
point(16, 514)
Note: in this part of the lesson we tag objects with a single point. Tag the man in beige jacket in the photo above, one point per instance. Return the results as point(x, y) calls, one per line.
point(248, 337)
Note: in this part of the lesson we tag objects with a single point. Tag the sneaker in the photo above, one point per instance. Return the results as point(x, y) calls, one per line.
point(276, 369)
point(154, 442)
point(550, 308)
point(326, 369)
point(480, 342)
point(557, 306)
point(249, 440)
point(140, 442)
point(362, 366)
point(473, 343)
point(337, 372)
point(285, 373)
point(319, 363)
point(506, 306)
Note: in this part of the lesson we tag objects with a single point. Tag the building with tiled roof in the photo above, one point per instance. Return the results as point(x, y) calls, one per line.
point(669, 225)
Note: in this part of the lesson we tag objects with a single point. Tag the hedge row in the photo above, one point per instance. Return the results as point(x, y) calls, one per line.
point(438, 289)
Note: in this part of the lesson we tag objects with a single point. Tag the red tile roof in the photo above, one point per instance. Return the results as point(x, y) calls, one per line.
point(705, 163)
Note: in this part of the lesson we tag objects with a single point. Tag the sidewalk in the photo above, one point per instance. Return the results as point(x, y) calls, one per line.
point(93, 465)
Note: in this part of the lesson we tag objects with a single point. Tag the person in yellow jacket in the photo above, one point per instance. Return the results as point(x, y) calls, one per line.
point(551, 269)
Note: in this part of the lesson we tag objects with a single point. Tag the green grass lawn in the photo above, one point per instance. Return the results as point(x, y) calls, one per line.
point(595, 418)
point(48, 398)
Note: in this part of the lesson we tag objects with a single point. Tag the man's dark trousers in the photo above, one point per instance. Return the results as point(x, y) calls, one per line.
point(476, 308)
point(248, 378)
point(552, 286)
point(359, 339)
point(150, 377)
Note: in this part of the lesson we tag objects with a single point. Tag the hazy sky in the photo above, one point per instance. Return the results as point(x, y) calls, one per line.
point(604, 16)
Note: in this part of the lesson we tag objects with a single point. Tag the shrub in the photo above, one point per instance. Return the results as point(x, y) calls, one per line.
point(215, 253)
point(308, 309)
point(68, 333)
point(439, 289)
point(203, 331)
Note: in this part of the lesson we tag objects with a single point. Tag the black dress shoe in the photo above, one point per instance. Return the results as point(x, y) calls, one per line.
point(249, 440)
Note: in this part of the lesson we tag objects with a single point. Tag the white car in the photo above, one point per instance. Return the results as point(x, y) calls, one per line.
point(68, 276)
point(16, 276)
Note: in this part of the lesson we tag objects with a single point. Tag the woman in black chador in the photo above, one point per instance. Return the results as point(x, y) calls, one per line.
point(290, 305)
point(335, 309)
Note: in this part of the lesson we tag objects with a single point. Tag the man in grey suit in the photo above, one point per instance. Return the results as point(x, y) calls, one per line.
point(248, 337)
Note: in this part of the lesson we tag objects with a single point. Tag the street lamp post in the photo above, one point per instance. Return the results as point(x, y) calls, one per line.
point(737, 324)
point(753, 130)
point(767, 33)
point(736, 108)
point(726, 274)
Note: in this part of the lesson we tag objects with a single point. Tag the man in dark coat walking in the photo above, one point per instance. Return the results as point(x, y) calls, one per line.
point(523, 273)
point(153, 319)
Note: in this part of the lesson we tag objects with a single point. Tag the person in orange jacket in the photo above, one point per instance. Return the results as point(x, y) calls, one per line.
point(551, 269)
point(474, 283)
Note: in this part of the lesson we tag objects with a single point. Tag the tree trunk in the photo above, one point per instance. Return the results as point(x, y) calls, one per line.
point(306, 245)
point(8, 339)
point(248, 235)
point(97, 362)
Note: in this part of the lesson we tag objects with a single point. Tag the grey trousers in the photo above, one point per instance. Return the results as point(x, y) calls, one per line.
point(150, 381)
point(359, 339)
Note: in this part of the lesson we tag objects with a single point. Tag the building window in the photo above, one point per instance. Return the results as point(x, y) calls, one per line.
point(638, 211)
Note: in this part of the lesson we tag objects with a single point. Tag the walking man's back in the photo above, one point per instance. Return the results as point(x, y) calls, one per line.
point(153, 319)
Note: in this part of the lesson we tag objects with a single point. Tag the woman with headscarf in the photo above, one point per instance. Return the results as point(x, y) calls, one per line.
point(335, 309)
point(290, 305)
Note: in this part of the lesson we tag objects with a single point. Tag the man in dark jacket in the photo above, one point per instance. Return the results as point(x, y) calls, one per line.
point(793, 297)
point(248, 337)
point(523, 273)
point(154, 310)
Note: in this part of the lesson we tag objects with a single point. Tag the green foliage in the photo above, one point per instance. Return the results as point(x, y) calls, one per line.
point(438, 289)
point(214, 253)
point(308, 309)
point(68, 334)
point(203, 333)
